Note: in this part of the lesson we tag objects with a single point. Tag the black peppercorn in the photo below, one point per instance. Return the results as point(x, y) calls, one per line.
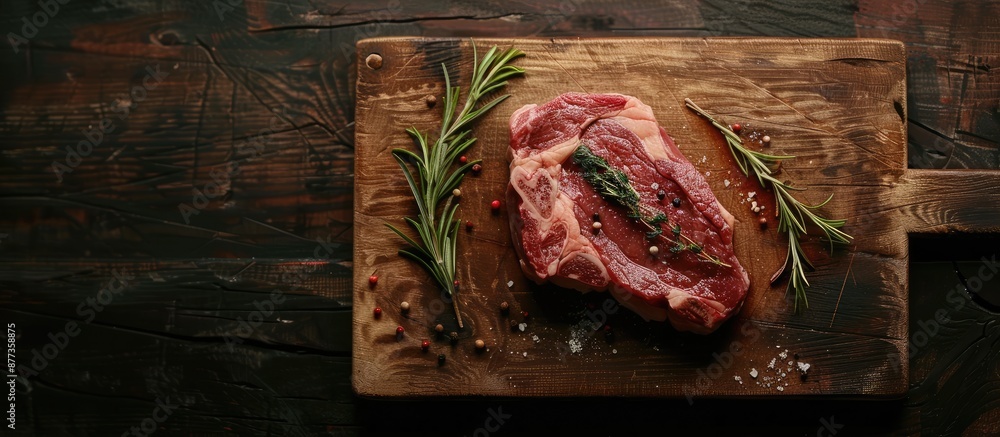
point(661, 194)
point(676, 202)
point(441, 359)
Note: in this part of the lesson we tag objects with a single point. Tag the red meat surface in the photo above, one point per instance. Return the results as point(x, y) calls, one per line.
point(552, 210)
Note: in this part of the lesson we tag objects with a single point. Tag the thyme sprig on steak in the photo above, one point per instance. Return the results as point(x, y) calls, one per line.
point(614, 186)
point(793, 215)
point(436, 180)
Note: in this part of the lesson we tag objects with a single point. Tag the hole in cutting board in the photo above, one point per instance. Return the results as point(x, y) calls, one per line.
point(969, 261)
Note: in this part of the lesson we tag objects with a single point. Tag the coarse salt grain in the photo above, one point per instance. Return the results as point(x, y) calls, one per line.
point(804, 367)
point(753, 373)
point(780, 388)
point(784, 354)
point(534, 337)
point(522, 326)
point(525, 354)
point(771, 364)
point(575, 345)
point(726, 183)
point(510, 284)
point(614, 351)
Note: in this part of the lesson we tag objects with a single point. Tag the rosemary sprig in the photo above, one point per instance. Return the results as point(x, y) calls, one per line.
point(435, 180)
point(613, 185)
point(793, 215)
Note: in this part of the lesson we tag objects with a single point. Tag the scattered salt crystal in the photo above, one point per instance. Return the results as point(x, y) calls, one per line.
point(754, 204)
point(656, 348)
point(738, 379)
point(614, 351)
point(751, 194)
point(535, 338)
point(522, 326)
point(780, 388)
point(575, 345)
point(708, 173)
point(525, 354)
point(804, 367)
point(726, 183)
point(510, 284)
point(790, 363)
point(782, 374)
point(753, 373)
point(771, 364)
point(655, 186)
point(784, 354)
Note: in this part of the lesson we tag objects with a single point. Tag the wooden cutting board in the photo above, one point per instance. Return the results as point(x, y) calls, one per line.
point(838, 105)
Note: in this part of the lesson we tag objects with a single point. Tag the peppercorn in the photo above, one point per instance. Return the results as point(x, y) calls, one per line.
point(596, 217)
point(737, 128)
point(495, 205)
point(480, 345)
point(766, 139)
point(763, 222)
point(504, 307)
point(513, 325)
point(469, 225)
point(372, 280)
point(431, 101)
point(456, 192)
point(378, 312)
point(653, 250)
point(524, 314)
point(476, 168)
point(404, 306)
point(463, 159)
point(661, 194)
point(454, 337)
point(399, 332)
point(676, 202)
point(441, 359)
point(424, 345)
point(596, 226)
point(439, 328)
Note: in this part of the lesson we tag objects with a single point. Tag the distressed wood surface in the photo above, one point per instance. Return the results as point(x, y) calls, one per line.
point(836, 105)
point(239, 66)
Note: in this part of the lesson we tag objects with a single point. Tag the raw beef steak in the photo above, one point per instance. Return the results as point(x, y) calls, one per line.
point(553, 210)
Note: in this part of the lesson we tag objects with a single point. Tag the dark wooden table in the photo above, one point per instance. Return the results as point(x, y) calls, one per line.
point(176, 185)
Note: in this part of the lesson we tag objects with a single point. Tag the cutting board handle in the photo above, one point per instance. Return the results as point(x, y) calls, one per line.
point(941, 201)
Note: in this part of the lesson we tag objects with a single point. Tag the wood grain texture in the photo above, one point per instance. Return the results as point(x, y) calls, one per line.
point(835, 104)
point(263, 55)
point(952, 107)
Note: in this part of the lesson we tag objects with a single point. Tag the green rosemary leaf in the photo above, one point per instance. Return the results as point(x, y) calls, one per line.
point(793, 215)
point(436, 175)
